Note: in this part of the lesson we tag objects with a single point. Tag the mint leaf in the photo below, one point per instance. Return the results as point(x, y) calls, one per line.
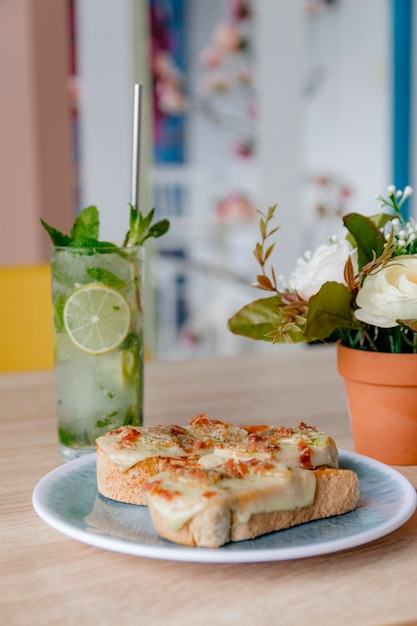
point(139, 223)
point(135, 227)
point(158, 229)
point(131, 341)
point(57, 238)
point(85, 231)
point(107, 278)
point(59, 313)
point(86, 224)
point(140, 228)
point(66, 438)
point(131, 417)
point(107, 421)
point(91, 245)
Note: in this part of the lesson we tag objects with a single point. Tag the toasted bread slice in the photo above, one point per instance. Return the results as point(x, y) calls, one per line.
point(243, 500)
point(337, 492)
point(129, 456)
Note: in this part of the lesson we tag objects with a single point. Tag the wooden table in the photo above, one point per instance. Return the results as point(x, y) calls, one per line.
point(47, 578)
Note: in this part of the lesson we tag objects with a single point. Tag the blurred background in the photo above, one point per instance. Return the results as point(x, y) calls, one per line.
point(247, 103)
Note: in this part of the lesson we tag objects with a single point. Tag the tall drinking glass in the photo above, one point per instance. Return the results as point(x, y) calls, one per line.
point(98, 332)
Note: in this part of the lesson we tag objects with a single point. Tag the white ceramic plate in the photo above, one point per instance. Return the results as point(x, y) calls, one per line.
point(67, 500)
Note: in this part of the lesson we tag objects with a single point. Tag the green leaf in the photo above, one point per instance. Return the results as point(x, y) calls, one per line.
point(85, 231)
point(86, 224)
point(59, 313)
point(158, 229)
point(140, 228)
point(107, 421)
point(367, 236)
point(257, 319)
point(131, 341)
point(66, 438)
point(91, 245)
point(131, 417)
point(135, 231)
point(145, 221)
point(380, 219)
point(107, 278)
point(329, 309)
point(57, 238)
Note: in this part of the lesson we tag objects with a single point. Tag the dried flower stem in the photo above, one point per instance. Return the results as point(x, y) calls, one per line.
point(262, 253)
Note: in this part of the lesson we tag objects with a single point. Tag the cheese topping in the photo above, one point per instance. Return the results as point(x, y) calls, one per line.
point(215, 442)
point(215, 431)
point(245, 488)
point(128, 445)
point(223, 453)
point(300, 447)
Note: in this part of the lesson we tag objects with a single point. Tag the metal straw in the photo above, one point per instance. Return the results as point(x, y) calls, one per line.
point(137, 113)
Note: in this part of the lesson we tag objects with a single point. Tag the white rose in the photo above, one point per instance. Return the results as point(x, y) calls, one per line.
point(390, 294)
point(327, 264)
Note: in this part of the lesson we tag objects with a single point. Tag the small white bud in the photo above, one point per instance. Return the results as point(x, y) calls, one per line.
point(407, 192)
point(391, 190)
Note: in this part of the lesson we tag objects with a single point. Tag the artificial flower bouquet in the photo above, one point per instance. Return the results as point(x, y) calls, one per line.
point(361, 289)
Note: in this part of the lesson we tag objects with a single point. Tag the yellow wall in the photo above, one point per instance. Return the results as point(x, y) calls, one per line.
point(26, 339)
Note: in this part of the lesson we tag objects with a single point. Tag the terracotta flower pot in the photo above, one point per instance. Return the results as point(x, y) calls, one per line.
point(381, 391)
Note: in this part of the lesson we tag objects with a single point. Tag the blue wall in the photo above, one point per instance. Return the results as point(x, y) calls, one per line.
point(402, 23)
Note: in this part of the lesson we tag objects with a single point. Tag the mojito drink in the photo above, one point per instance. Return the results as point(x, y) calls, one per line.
point(98, 331)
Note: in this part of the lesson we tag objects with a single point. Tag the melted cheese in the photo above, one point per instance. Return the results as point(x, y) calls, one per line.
point(220, 441)
point(289, 453)
point(152, 442)
point(273, 490)
point(322, 448)
point(286, 450)
point(220, 455)
point(189, 502)
point(218, 432)
point(287, 490)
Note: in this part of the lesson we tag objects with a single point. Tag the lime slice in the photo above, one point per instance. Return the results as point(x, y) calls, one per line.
point(96, 318)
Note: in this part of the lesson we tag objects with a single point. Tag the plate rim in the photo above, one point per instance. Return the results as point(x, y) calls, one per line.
point(173, 552)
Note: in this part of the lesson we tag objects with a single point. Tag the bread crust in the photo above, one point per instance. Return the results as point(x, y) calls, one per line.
point(209, 529)
point(337, 492)
point(127, 486)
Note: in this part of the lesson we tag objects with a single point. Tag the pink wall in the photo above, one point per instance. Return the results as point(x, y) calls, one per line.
point(36, 172)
